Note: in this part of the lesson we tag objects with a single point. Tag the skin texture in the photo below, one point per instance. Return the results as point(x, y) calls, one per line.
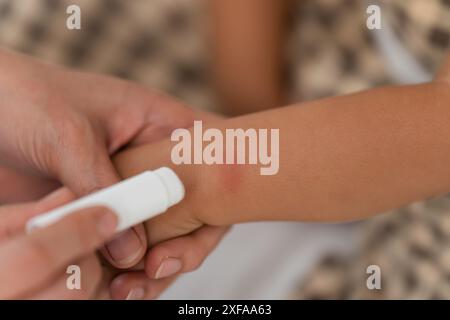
point(360, 155)
point(49, 108)
point(73, 240)
point(342, 158)
point(396, 136)
point(62, 126)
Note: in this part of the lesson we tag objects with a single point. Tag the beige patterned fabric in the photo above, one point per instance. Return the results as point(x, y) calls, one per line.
point(331, 51)
point(423, 27)
point(412, 248)
point(412, 245)
point(162, 43)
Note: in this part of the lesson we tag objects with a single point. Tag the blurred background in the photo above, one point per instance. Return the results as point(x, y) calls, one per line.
point(241, 56)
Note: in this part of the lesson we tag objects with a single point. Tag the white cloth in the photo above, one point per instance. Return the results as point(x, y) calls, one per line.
point(400, 63)
point(263, 260)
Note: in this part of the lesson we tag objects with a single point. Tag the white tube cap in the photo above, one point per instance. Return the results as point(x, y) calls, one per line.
point(174, 186)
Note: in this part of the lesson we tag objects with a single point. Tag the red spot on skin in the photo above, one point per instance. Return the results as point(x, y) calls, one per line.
point(231, 177)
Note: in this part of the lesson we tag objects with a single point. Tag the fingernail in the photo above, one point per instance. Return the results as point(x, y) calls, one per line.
point(136, 294)
point(124, 248)
point(107, 224)
point(168, 267)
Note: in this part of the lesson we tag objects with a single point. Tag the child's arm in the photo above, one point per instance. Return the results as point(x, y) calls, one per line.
point(247, 46)
point(341, 158)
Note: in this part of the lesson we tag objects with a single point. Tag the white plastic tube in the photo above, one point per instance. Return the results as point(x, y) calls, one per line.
point(134, 200)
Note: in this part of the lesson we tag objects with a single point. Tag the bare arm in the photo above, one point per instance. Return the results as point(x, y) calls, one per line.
point(341, 158)
point(247, 44)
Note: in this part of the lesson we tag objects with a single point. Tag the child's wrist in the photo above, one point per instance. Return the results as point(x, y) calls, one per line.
point(204, 193)
point(199, 186)
point(215, 193)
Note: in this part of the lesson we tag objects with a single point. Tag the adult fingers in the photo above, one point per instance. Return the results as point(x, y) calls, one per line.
point(66, 287)
point(165, 261)
point(82, 163)
point(46, 251)
point(183, 254)
point(14, 217)
point(16, 186)
point(137, 286)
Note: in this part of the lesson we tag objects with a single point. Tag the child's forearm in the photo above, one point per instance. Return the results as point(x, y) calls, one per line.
point(341, 158)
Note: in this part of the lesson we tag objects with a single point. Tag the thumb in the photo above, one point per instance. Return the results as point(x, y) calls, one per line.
point(91, 169)
point(86, 168)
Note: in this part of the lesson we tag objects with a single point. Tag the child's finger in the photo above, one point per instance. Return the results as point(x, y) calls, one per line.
point(183, 254)
point(137, 286)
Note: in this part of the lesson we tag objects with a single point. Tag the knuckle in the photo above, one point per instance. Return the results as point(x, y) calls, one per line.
point(74, 129)
point(65, 130)
point(195, 256)
point(67, 125)
point(159, 251)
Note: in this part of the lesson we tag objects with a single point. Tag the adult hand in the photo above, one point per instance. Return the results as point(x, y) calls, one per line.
point(165, 262)
point(61, 123)
point(34, 265)
point(153, 274)
point(64, 125)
